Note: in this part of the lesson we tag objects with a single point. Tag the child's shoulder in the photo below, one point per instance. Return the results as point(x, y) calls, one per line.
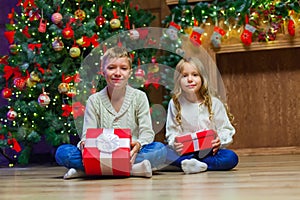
point(216, 101)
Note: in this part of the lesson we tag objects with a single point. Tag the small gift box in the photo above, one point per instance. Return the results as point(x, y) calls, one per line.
point(107, 152)
point(196, 141)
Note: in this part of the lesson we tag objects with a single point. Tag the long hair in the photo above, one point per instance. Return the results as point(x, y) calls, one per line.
point(205, 91)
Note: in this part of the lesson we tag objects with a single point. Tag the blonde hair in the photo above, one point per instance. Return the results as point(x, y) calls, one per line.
point(205, 91)
point(114, 53)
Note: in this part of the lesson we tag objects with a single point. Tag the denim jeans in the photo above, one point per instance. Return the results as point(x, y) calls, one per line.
point(224, 159)
point(70, 156)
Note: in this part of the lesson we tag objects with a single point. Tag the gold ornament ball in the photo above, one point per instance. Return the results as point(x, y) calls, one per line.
point(30, 83)
point(115, 23)
point(80, 14)
point(34, 77)
point(74, 52)
point(63, 88)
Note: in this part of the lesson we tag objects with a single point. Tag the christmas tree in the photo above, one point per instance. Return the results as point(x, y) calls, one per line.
point(41, 77)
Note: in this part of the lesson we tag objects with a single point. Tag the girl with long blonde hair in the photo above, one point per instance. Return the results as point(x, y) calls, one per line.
point(194, 107)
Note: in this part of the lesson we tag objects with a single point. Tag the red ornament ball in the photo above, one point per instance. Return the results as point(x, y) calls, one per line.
point(56, 18)
point(20, 83)
point(68, 33)
point(139, 74)
point(100, 20)
point(11, 115)
point(6, 93)
point(44, 99)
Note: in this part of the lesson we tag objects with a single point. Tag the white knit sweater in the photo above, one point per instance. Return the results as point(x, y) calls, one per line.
point(195, 117)
point(134, 114)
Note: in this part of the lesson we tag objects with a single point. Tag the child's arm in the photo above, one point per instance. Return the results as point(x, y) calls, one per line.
point(172, 127)
point(224, 128)
point(146, 133)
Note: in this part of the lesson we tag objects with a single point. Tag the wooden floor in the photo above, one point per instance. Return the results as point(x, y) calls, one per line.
point(256, 177)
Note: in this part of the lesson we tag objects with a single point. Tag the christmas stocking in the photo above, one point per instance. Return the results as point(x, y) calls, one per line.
point(246, 36)
point(195, 36)
point(216, 37)
point(172, 31)
point(291, 27)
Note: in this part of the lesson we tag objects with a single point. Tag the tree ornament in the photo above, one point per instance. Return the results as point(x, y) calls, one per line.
point(13, 49)
point(140, 74)
point(100, 20)
point(56, 18)
point(80, 14)
point(134, 34)
point(195, 36)
point(30, 83)
point(6, 93)
point(246, 36)
point(63, 88)
point(291, 27)
point(11, 115)
point(57, 44)
point(44, 99)
point(72, 92)
point(68, 32)
point(115, 22)
point(172, 31)
point(216, 36)
point(19, 83)
point(34, 77)
point(153, 68)
point(42, 26)
point(93, 90)
point(74, 52)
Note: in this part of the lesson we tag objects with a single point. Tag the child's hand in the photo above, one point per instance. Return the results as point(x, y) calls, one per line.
point(216, 143)
point(178, 147)
point(82, 143)
point(135, 148)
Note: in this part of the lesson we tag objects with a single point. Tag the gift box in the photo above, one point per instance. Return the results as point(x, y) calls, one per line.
point(196, 141)
point(107, 152)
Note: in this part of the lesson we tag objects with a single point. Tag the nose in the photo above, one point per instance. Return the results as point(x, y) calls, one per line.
point(117, 72)
point(189, 78)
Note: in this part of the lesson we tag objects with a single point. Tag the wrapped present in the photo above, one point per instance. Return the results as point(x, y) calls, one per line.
point(196, 141)
point(107, 152)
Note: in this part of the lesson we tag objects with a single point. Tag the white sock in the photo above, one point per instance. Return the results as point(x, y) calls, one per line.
point(73, 173)
point(193, 166)
point(142, 169)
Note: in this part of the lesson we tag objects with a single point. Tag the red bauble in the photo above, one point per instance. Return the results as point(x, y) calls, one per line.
point(139, 74)
point(100, 20)
point(93, 90)
point(68, 33)
point(6, 93)
point(11, 115)
point(291, 27)
point(44, 99)
point(20, 83)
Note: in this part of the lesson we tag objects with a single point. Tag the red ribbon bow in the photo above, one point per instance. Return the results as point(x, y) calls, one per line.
point(88, 41)
point(12, 141)
point(151, 79)
point(33, 46)
point(68, 79)
point(9, 71)
point(77, 110)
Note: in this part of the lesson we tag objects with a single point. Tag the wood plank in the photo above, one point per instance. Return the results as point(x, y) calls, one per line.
point(256, 177)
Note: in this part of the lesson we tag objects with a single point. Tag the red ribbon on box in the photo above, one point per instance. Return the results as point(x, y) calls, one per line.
point(107, 152)
point(196, 141)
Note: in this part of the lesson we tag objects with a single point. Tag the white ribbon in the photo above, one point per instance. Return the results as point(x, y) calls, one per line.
point(195, 141)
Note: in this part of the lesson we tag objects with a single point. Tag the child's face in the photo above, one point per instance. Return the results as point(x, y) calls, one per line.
point(117, 72)
point(190, 81)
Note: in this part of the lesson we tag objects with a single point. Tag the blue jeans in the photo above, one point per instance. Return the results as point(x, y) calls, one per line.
point(224, 159)
point(70, 156)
